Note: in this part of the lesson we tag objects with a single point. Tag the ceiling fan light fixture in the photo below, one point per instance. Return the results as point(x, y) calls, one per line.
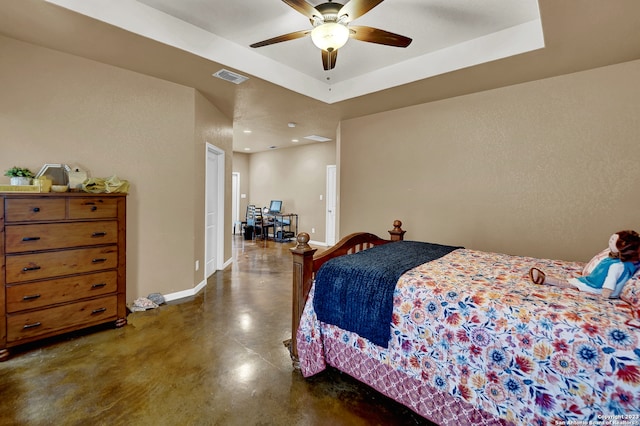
point(330, 36)
point(331, 30)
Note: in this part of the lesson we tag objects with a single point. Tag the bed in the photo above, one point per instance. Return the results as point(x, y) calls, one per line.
point(473, 341)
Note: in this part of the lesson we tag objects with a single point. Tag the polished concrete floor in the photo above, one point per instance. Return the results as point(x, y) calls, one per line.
point(214, 359)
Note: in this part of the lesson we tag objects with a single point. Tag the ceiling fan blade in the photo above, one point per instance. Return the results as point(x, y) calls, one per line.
point(284, 37)
point(303, 7)
point(375, 35)
point(356, 8)
point(329, 59)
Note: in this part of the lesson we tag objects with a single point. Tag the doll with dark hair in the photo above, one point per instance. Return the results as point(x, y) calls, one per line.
point(609, 274)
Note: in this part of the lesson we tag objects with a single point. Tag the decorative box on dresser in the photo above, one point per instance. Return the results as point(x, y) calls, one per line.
point(63, 264)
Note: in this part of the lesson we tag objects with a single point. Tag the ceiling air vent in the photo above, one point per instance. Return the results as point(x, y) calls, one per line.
point(231, 76)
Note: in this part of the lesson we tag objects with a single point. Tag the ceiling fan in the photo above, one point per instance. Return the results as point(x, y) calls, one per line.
point(331, 28)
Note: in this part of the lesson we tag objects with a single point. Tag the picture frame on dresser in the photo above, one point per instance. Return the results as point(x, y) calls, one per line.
point(63, 264)
point(58, 174)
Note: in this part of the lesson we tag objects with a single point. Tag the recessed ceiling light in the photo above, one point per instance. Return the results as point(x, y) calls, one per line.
point(295, 140)
point(317, 138)
point(247, 131)
point(247, 149)
point(291, 124)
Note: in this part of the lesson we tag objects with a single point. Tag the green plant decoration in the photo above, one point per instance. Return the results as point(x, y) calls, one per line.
point(19, 172)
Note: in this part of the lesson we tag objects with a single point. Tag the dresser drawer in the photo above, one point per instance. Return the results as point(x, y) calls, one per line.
point(32, 209)
point(21, 297)
point(76, 315)
point(93, 208)
point(27, 267)
point(21, 238)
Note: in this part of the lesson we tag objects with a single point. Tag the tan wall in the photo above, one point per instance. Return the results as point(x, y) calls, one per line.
point(547, 168)
point(297, 176)
point(58, 108)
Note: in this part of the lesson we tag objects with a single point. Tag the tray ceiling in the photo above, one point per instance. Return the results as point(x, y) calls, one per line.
point(447, 35)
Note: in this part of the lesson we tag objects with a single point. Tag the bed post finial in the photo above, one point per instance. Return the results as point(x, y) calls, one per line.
point(302, 241)
point(302, 280)
point(397, 233)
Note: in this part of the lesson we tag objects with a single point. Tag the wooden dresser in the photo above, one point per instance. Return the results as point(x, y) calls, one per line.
point(63, 264)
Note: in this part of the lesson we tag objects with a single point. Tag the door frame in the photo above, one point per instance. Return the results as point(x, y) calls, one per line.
point(220, 231)
point(331, 188)
point(235, 199)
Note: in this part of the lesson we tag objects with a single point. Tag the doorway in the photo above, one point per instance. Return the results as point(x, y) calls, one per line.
point(235, 200)
point(331, 206)
point(214, 210)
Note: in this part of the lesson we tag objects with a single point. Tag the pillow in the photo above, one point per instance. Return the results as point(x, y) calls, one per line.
point(594, 261)
point(631, 294)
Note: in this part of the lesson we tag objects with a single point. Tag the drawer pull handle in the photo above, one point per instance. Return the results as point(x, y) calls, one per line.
point(98, 234)
point(99, 260)
point(30, 268)
point(99, 285)
point(33, 325)
point(94, 208)
point(36, 209)
point(98, 311)
point(30, 238)
point(31, 297)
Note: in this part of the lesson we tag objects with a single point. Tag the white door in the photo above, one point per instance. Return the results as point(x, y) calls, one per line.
point(331, 205)
point(214, 205)
point(235, 199)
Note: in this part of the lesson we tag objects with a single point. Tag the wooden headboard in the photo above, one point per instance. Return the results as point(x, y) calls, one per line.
point(306, 263)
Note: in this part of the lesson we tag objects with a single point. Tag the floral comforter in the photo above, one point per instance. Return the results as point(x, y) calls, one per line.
point(471, 325)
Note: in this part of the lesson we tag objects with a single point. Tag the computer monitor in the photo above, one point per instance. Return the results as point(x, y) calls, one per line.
point(275, 206)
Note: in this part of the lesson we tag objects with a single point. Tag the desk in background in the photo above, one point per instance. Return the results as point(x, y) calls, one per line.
point(284, 225)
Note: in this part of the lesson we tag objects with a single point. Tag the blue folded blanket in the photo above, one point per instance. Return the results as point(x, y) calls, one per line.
point(355, 292)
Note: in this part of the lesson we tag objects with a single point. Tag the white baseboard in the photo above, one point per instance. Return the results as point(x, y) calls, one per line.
point(318, 243)
point(192, 291)
point(185, 293)
point(227, 263)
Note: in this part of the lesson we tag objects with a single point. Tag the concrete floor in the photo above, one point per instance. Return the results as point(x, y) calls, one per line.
point(214, 359)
